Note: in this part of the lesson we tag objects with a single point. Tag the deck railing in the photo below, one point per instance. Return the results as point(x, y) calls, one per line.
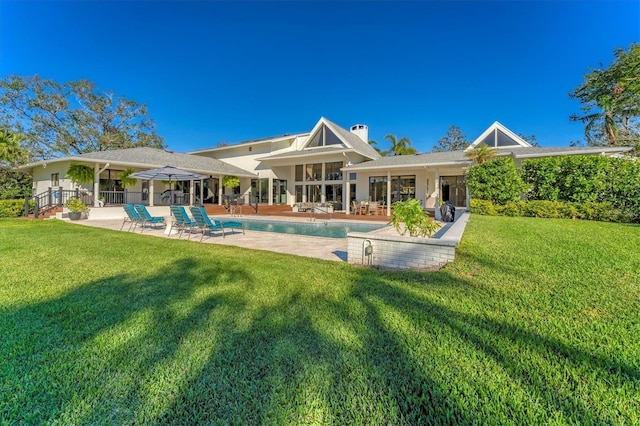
point(53, 198)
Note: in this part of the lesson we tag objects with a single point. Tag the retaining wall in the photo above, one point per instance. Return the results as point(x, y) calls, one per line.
point(403, 252)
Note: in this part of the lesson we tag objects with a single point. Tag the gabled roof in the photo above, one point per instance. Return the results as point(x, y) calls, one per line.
point(251, 142)
point(145, 157)
point(349, 139)
point(512, 140)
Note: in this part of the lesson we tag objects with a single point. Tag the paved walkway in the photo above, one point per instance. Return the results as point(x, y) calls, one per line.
point(301, 245)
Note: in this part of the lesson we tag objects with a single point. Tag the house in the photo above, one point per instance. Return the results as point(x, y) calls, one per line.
point(329, 164)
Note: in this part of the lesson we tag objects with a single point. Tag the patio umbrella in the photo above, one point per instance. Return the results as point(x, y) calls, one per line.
point(167, 173)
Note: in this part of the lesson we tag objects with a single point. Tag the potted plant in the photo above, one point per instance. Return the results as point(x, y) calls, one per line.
point(76, 208)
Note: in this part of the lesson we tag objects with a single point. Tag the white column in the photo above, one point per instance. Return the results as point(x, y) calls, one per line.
point(437, 192)
point(219, 190)
point(151, 193)
point(347, 197)
point(468, 198)
point(191, 194)
point(388, 192)
point(96, 185)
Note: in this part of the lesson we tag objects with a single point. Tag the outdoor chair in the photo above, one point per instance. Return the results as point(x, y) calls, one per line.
point(373, 208)
point(146, 216)
point(181, 221)
point(132, 217)
point(204, 224)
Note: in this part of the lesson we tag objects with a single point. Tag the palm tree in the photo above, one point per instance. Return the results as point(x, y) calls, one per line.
point(481, 153)
point(126, 179)
point(10, 150)
point(400, 147)
point(374, 145)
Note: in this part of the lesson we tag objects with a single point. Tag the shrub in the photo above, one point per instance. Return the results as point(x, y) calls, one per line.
point(511, 208)
point(586, 179)
point(12, 208)
point(536, 208)
point(484, 207)
point(409, 216)
point(497, 180)
point(75, 205)
point(604, 212)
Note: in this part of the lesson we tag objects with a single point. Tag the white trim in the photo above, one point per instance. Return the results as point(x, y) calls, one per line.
point(497, 126)
point(249, 143)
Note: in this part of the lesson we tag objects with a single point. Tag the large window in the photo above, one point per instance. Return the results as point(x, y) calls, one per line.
point(299, 192)
point(402, 188)
point(324, 137)
point(334, 195)
point(279, 191)
point(314, 171)
point(332, 171)
point(299, 173)
point(314, 193)
point(260, 189)
point(378, 188)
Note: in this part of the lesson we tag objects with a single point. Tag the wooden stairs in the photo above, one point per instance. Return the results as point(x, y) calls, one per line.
point(47, 214)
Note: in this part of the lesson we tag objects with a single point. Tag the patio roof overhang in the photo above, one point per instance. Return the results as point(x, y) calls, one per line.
point(363, 167)
point(193, 163)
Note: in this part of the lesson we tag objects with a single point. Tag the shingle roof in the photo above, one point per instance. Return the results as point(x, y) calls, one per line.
point(458, 158)
point(307, 152)
point(153, 157)
point(360, 146)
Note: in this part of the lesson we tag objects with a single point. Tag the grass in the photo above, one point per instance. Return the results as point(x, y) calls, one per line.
point(537, 321)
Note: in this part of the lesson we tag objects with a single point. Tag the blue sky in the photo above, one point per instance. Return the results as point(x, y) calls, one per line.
point(217, 71)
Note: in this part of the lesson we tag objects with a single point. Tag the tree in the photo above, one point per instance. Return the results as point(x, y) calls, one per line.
point(531, 139)
point(125, 177)
point(13, 184)
point(497, 180)
point(11, 151)
point(481, 153)
point(454, 140)
point(72, 118)
point(400, 146)
point(610, 100)
point(230, 181)
point(375, 146)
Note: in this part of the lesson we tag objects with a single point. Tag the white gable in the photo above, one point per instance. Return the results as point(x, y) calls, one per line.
point(498, 136)
point(324, 135)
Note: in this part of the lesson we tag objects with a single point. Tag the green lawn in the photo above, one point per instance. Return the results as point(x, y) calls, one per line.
point(537, 321)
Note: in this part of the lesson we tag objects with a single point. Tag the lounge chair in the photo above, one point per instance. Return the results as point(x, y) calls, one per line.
point(146, 216)
point(205, 225)
point(228, 224)
point(132, 217)
point(181, 221)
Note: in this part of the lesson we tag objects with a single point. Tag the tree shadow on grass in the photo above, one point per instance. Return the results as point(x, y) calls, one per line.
point(528, 358)
point(83, 354)
point(193, 344)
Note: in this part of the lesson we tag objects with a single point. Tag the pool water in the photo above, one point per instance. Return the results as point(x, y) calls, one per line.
point(314, 229)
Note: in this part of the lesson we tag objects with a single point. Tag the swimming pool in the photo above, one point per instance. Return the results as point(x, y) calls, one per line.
point(313, 229)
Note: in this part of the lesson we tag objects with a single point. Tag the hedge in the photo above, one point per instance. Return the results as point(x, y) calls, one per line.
point(497, 180)
point(11, 208)
point(585, 178)
point(600, 211)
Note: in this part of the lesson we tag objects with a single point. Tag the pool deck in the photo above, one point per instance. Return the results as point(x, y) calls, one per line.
point(334, 249)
